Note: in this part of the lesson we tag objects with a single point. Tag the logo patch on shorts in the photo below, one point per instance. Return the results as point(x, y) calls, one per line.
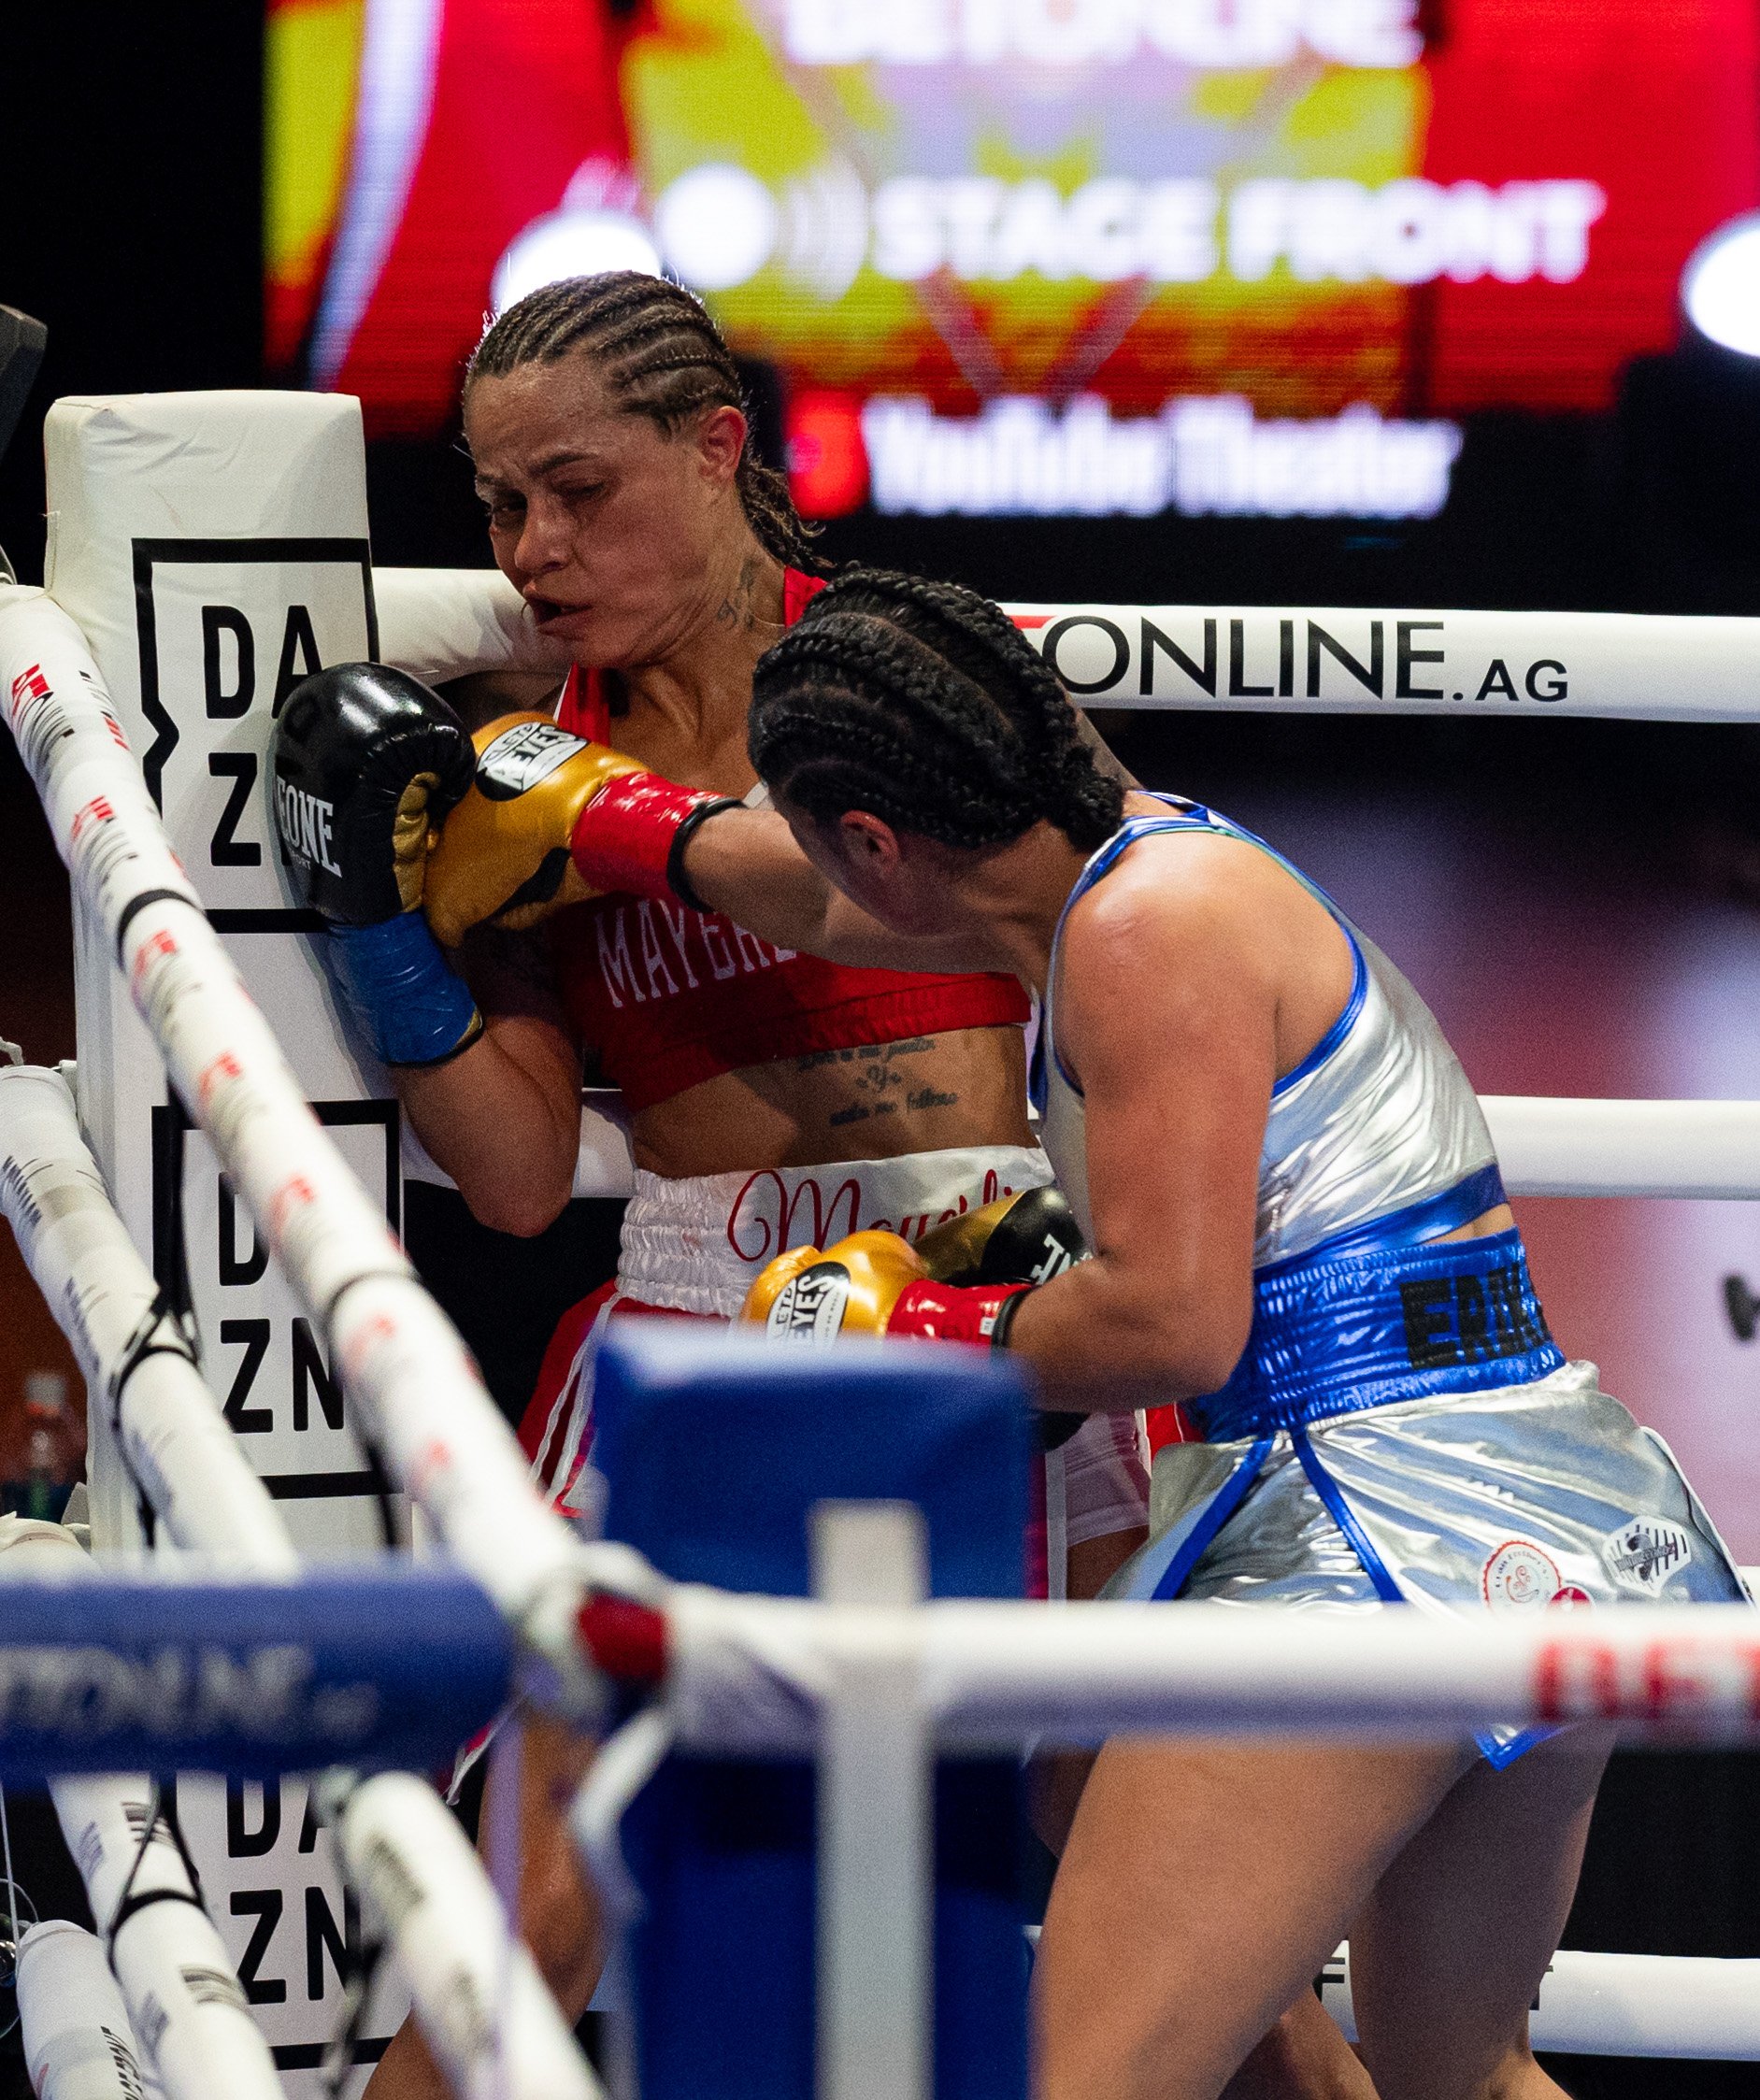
point(1645, 1551)
point(810, 1306)
point(1519, 1576)
point(521, 757)
point(1572, 1597)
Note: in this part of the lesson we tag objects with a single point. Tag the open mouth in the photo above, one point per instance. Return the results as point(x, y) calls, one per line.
point(546, 610)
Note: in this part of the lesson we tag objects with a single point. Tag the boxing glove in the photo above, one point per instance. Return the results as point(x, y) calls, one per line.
point(551, 819)
point(874, 1283)
point(366, 763)
point(1026, 1239)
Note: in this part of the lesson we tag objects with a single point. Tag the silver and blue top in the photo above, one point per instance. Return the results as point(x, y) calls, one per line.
point(1375, 1147)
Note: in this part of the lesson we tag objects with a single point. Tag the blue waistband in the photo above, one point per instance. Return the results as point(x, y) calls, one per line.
point(1371, 1319)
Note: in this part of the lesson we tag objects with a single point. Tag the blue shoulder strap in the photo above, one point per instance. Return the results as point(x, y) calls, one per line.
point(1183, 816)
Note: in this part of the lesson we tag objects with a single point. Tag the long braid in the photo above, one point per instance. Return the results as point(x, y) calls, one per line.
point(923, 704)
point(661, 356)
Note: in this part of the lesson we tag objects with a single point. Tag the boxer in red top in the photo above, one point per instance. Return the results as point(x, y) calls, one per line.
point(776, 1100)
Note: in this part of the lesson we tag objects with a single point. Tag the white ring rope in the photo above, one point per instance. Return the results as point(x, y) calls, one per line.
point(1552, 1147)
point(175, 1440)
point(494, 2030)
point(78, 2042)
point(1682, 2006)
point(442, 623)
point(425, 1888)
point(1622, 2004)
point(749, 1674)
point(443, 1440)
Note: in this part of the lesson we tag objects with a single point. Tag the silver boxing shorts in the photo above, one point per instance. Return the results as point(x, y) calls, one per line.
point(1520, 1498)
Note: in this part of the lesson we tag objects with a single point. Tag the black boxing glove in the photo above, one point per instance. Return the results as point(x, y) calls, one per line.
point(367, 764)
point(1025, 1238)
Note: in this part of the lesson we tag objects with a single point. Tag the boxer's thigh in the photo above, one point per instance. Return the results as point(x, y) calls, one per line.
point(1449, 1952)
point(1201, 1888)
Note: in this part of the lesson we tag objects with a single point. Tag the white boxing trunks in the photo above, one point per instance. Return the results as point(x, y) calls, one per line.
point(695, 1246)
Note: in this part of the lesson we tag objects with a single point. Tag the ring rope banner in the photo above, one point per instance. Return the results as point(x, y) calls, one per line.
point(380, 1665)
point(1345, 660)
point(443, 623)
point(185, 2007)
point(747, 1674)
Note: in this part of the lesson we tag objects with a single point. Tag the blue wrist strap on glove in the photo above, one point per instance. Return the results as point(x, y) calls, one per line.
point(413, 1006)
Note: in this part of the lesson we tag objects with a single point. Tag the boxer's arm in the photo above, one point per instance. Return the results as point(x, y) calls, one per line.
point(1167, 1012)
point(745, 862)
point(503, 1118)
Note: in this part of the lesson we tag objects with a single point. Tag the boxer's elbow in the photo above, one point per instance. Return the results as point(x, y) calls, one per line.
point(516, 1204)
point(1182, 1345)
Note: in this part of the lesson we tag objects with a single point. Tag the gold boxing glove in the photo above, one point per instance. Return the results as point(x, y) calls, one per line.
point(1025, 1239)
point(552, 820)
point(873, 1283)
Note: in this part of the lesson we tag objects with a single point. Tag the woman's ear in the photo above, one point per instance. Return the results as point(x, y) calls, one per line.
point(721, 439)
point(869, 841)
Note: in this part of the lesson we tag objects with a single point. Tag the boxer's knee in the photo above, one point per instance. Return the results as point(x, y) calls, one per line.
point(1304, 2057)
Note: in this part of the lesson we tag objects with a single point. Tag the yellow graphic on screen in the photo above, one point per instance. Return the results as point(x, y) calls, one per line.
point(954, 228)
point(312, 63)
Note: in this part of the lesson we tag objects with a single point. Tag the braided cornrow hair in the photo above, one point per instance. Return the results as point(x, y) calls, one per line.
point(662, 356)
point(922, 703)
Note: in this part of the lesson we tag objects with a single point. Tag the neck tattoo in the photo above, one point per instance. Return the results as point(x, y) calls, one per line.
point(735, 609)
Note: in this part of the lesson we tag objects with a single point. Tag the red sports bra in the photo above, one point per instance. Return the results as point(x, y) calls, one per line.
point(668, 998)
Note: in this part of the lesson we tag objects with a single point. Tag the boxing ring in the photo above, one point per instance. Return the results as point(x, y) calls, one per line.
point(232, 1652)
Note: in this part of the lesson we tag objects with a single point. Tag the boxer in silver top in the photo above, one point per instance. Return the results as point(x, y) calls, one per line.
point(1298, 1234)
point(1401, 1426)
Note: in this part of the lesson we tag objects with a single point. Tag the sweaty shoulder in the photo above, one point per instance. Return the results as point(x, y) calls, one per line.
point(1186, 890)
point(1194, 937)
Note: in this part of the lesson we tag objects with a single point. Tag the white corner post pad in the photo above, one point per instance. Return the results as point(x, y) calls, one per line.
point(443, 1437)
point(446, 624)
point(78, 2044)
point(180, 1984)
point(875, 1811)
point(212, 548)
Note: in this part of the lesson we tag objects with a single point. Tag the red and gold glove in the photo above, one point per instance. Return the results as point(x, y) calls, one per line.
point(875, 1283)
point(552, 820)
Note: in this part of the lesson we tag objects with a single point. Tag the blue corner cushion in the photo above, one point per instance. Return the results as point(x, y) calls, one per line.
point(714, 1447)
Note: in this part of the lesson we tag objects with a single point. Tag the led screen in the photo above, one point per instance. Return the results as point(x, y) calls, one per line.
point(1019, 255)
